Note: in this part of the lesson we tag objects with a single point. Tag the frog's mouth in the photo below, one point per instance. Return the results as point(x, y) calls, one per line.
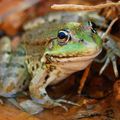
point(72, 58)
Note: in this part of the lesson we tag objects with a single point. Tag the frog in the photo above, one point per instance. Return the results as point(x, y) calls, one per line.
point(14, 77)
point(110, 45)
point(54, 52)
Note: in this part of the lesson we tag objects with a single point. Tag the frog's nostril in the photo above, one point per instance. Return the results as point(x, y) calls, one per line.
point(81, 40)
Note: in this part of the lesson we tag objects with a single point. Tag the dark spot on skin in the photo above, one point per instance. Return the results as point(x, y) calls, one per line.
point(81, 40)
point(8, 52)
point(48, 57)
point(37, 65)
point(33, 68)
point(20, 87)
point(52, 68)
point(46, 77)
point(25, 82)
point(22, 66)
point(44, 82)
point(93, 26)
point(94, 31)
point(106, 40)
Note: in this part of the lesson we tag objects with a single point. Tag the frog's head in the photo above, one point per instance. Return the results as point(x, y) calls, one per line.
point(74, 41)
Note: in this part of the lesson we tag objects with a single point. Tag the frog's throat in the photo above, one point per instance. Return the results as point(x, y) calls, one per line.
point(66, 66)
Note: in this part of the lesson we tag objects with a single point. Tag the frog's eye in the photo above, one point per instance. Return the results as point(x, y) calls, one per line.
point(63, 37)
point(93, 26)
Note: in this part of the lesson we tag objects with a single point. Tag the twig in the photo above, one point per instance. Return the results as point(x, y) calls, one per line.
point(83, 79)
point(73, 7)
point(109, 28)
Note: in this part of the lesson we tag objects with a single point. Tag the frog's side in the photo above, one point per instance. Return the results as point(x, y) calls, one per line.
point(13, 70)
point(66, 48)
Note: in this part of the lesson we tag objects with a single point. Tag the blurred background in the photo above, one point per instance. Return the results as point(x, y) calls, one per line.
point(15, 13)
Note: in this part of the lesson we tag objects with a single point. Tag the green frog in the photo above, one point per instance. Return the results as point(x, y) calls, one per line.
point(55, 51)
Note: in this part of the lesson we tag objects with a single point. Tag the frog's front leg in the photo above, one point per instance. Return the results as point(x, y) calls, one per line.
point(42, 78)
point(40, 95)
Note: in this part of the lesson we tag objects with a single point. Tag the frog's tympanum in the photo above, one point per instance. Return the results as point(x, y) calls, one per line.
point(56, 51)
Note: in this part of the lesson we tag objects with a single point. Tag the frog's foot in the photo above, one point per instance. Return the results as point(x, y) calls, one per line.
point(33, 107)
point(113, 51)
point(47, 101)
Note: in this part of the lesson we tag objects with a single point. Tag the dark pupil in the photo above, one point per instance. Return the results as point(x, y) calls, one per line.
point(61, 35)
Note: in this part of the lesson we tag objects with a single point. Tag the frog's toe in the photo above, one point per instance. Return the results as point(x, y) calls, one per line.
point(115, 66)
point(114, 63)
point(56, 103)
point(104, 66)
point(49, 103)
point(68, 102)
point(31, 107)
point(59, 101)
